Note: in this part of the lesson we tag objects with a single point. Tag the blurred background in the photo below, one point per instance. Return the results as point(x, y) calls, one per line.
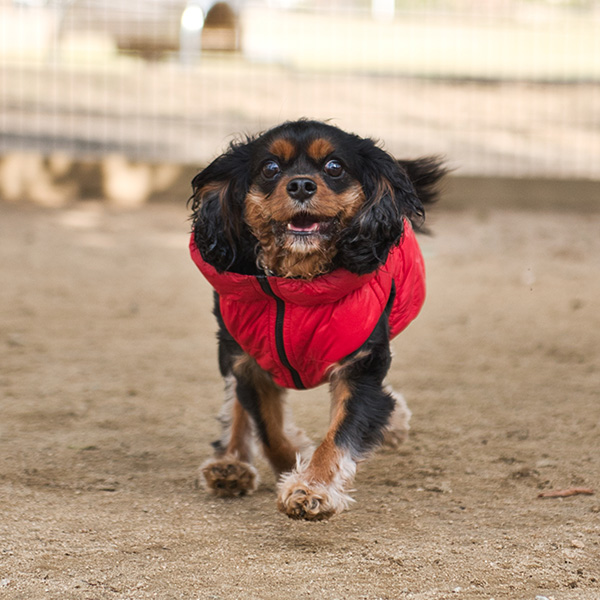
point(124, 99)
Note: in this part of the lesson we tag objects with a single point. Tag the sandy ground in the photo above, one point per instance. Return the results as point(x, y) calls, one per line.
point(108, 391)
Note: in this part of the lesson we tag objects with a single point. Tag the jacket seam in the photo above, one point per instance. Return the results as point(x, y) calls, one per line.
point(280, 334)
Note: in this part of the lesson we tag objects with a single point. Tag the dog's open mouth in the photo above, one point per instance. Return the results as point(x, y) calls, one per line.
point(306, 224)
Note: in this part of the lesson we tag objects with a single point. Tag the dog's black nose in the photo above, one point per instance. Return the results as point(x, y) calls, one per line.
point(301, 188)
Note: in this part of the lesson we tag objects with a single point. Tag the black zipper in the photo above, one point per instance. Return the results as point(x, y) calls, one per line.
point(280, 315)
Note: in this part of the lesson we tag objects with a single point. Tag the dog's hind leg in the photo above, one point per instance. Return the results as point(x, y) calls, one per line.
point(396, 430)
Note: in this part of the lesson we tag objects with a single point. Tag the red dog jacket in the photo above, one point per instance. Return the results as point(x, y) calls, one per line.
point(297, 329)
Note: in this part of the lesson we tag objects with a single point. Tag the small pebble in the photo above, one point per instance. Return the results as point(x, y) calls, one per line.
point(577, 544)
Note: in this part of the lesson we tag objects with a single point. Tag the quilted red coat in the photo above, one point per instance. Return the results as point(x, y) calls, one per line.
point(297, 329)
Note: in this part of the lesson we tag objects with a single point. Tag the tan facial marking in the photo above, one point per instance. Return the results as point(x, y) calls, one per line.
point(283, 148)
point(303, 257)
point(319, 149)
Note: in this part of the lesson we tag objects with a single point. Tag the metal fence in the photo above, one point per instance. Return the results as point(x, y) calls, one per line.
point(498, 87)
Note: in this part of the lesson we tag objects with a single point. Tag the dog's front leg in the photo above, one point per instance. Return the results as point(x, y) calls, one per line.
point(230, 472)
point(361, 411)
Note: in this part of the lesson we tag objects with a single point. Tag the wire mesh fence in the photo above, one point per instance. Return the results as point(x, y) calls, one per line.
point(498, 87)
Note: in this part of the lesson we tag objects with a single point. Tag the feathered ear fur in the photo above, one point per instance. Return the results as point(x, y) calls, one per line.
point(217, 204)
point(425, 173)
point(394, 191)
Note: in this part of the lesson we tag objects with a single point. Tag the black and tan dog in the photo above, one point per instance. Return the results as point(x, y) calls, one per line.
point(306, 234)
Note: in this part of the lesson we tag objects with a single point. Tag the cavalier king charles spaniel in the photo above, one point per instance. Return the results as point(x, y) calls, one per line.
point(306, 234)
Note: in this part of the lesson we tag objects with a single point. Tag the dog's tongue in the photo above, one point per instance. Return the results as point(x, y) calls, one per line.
point(304, 224)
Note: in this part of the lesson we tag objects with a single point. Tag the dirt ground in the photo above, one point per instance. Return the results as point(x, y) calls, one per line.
point(109, 389)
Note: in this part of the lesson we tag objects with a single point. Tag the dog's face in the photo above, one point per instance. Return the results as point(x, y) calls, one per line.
point(303, 199)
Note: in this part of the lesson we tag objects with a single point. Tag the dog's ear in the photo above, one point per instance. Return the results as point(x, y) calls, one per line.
point(217, 206)
point(425, 174)
point(390, 197)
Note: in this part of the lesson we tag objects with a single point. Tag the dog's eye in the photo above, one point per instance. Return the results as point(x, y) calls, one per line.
point(270, 169)
point(333, 168)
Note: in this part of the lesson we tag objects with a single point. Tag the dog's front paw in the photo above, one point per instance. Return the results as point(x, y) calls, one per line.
point(228, 476)
point(299, 499)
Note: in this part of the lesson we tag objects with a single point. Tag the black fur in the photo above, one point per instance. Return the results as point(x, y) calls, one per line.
point(220, 232)
point(229, 349)
point(390, 198)
point(370, 406)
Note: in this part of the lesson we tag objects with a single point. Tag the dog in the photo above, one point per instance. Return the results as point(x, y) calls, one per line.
point(306, 233)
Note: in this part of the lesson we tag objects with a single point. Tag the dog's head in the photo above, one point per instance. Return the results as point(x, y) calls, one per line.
point(306, 198)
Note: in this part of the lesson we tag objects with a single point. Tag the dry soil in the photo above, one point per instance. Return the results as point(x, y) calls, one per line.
point(109, 389)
